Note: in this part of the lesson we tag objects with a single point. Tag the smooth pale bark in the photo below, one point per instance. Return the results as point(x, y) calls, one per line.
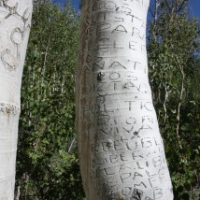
point(121, 151)
point(15, 18)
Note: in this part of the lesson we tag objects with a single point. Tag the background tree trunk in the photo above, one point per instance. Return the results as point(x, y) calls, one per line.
point(121, 151)
point(15, 19)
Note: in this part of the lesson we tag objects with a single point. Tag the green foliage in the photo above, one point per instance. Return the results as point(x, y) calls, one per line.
point(174, 60)
point(47, 165)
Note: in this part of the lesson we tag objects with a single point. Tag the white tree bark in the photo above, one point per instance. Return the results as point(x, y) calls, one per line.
point(121, 151)
point(15, 19)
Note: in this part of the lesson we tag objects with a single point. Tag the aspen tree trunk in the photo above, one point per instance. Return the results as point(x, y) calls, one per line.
point(121, 151)
point(15, 17)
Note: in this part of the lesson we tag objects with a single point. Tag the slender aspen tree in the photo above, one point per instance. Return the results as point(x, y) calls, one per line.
point(15, 20)
point(121, 151)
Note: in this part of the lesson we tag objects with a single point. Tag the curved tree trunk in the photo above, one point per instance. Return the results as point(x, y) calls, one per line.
point(121, 151)
point(15, 17)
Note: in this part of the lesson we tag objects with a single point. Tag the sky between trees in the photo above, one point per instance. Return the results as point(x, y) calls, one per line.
point(194, 6)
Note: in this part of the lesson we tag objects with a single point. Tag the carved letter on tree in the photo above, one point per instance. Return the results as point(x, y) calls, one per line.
point(121, 151)
point(15, 22)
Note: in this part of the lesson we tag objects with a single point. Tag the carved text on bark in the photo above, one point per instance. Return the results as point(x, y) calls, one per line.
point(121, 151)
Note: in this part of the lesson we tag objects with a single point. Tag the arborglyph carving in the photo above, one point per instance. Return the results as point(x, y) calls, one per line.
point(15, 22)
point(121, 151)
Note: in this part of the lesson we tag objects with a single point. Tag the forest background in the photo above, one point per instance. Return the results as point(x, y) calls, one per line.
point(47, 161)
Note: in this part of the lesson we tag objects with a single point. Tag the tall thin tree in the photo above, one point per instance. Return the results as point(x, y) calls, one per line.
point(121, 151)
point(15, 20)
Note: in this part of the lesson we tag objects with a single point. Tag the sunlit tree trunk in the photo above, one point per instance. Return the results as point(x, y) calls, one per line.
point(15, 17)
point(121, 151)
